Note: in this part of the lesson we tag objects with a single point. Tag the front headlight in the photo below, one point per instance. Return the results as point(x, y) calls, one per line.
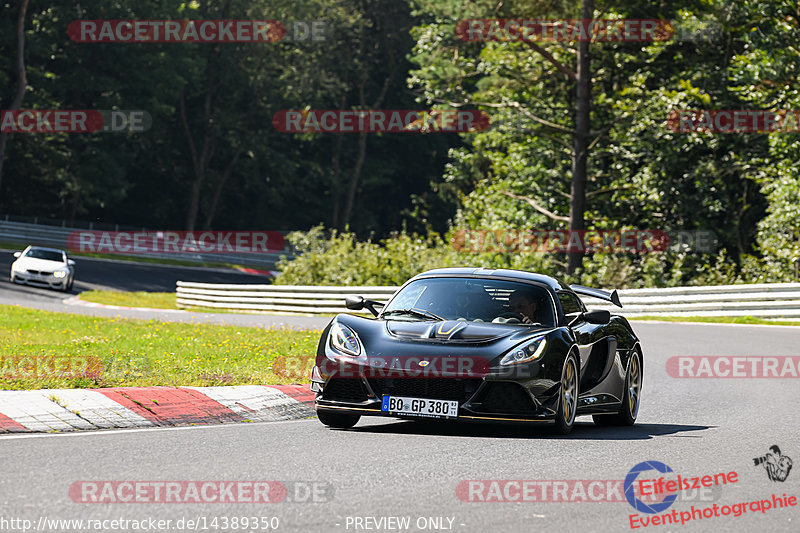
point(527, 352)
point(59, 274)
point(344, 339)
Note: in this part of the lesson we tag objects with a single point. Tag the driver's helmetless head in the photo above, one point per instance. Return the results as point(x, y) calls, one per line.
point(522, 303)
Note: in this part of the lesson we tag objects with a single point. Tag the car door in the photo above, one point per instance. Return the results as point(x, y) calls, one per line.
point(597, 348)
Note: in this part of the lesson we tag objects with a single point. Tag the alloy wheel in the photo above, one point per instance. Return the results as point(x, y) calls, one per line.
point(634, 386)
point(569, 389)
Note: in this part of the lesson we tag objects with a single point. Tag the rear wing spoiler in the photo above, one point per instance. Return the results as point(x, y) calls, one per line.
point(612, 296)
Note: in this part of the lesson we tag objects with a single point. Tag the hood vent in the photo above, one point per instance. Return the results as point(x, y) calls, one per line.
point(447, 331)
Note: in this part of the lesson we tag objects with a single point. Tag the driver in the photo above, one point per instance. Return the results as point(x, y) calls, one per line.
point(524, 304)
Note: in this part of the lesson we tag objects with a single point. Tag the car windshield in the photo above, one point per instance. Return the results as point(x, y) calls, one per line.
point(473, 300)
point(50, 255)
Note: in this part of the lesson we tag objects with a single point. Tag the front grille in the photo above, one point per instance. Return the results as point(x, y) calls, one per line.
point(36, 272)
point(505, 397)
point(434, 388)
point(344, 390)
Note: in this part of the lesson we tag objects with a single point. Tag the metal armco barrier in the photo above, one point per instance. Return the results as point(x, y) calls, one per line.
point(56, 237)
point(758, 300)
point(279, 299)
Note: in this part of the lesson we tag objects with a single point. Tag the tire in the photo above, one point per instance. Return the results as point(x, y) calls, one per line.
point(71, 283)
point(631, 400)
point(568, 396)
point(338, 420)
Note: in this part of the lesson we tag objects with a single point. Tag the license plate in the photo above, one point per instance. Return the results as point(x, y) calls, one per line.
point(422, 407)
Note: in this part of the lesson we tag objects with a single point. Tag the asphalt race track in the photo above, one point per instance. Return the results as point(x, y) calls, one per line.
point(103, 274)
point(107, 274)
point(385, 468)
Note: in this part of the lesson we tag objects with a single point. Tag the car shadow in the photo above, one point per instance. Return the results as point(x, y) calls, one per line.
point(41, 289)
point(581, 430)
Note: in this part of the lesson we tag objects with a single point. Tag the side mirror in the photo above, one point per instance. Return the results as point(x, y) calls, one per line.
point(598, 316)
point(17, 254)
point(357, 303)
point(70, 262)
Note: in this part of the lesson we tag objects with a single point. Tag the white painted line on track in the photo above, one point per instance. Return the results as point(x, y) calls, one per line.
point(76, 300)
point(715, 324)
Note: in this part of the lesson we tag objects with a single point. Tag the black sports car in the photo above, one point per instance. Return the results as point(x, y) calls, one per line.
point(480, 345)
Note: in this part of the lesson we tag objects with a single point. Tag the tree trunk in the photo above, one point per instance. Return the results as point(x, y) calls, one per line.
point(580, 142)
point(200, 159)
point(355, 177)
point(212, 211)
point(194, 206)
point(336, 181)
point(22, 82)
point(74, 204)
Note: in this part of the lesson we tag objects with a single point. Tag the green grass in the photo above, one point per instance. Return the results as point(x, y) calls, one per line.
point(137, 353)
point(160, 300)
point(155, 300)
point(722, 320)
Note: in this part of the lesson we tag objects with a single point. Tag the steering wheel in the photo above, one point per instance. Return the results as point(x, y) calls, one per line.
point(511, 314)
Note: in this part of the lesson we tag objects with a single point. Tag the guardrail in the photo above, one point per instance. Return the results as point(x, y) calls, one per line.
point(759, 300)
point(56, 237)
point(293, 299)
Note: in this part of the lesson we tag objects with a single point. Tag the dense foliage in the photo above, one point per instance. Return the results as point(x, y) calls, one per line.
point(397, 199)
point(223, 166)
point(342, 259)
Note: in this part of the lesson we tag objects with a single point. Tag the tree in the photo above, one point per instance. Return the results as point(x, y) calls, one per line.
point(512, 176)
point(764, 73)
point(580, 151)
point(21, 84)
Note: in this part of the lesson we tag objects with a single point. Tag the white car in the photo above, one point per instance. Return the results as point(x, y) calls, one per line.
point(46, 266)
